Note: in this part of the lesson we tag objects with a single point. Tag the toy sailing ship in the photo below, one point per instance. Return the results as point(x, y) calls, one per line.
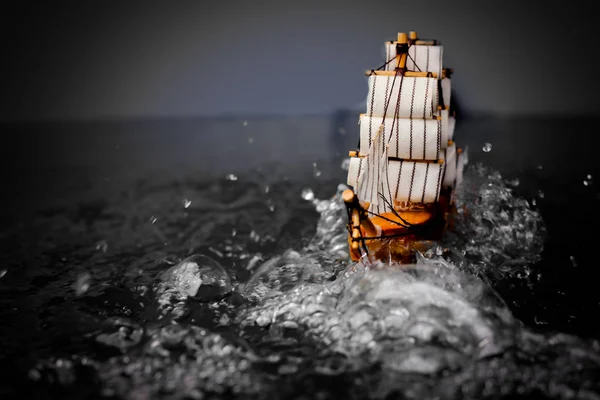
point(406, 167)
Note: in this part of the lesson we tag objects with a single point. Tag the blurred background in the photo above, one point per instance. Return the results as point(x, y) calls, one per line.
point(123, 60)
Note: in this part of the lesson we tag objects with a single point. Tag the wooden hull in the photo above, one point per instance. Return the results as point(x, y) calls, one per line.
point(427, 227)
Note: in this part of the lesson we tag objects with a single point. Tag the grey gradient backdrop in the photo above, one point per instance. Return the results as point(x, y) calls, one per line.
point(97, 60)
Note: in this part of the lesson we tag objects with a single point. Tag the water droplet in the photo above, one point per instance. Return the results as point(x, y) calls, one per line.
point(540, 167)
point(573, 261)
point(186, 203)
point(316, 170)
point(102, 246)
point(342, 131)
point(82, 283)
point(3, 272)
point(34, 374)
point(589, 176)
point(245, 123)
point(514, 182)
point(540, 194)
point(233, 232)
point(267, 188)
point(585, 183)
point(307, 194)
point(487, 147)
point(346, 164)
point(231, 177)
point(250, 140)
point(153, 219)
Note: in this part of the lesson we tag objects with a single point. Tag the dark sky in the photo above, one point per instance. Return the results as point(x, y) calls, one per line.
point(113, 59)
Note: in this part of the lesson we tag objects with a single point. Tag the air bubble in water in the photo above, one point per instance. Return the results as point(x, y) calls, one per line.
point(487, 147)
point(307, 194)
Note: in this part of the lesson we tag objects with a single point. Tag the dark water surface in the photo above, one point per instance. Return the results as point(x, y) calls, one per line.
point(193, 259)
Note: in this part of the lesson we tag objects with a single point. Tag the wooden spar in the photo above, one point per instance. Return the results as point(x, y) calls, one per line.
point(411, 74)
point(401, 57)
point(412, 35)
point(354, 153)
point(358, 218)
point(436, 117)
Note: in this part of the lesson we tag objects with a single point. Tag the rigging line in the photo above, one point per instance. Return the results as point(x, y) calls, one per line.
point(396, 116)
point(386, 218)
point(413, 60)
point(387, 103)
point(386, 63)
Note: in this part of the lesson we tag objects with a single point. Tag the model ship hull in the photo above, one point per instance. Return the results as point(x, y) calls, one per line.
point(393, 242)
point(406, 166)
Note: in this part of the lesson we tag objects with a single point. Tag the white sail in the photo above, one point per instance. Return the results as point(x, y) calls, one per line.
point(445, 127)
point(421, 58)
point(450, 170)
point(414, 97)
point(418, 182)
point(417, 139)
point(451, 126)
point(371, 182)
point(446, 90)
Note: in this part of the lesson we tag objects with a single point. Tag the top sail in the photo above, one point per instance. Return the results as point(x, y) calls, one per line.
point(409, 97)
point(422, 58)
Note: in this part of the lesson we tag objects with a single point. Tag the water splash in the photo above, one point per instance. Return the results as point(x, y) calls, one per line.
point(305, 321)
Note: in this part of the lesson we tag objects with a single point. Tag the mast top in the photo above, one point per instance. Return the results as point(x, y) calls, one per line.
point(402, 38)
point(412, 35)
